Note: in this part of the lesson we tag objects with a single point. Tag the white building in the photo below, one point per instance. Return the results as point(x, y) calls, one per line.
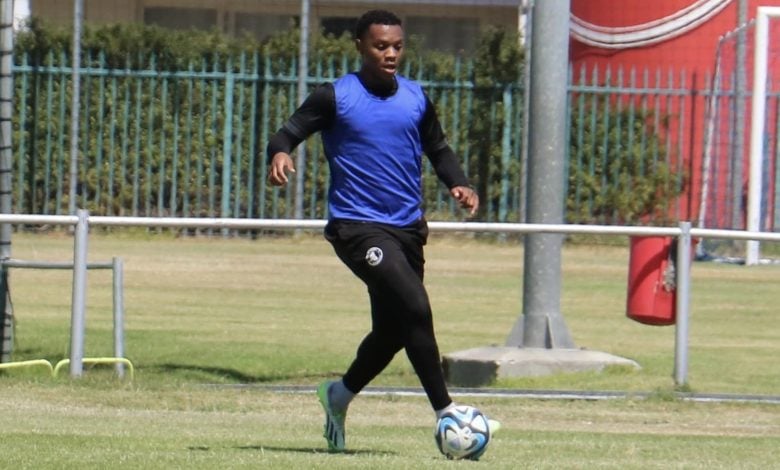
point(21, 13)
point(449, 25)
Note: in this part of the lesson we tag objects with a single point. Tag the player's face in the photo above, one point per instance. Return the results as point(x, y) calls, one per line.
point(381, 48)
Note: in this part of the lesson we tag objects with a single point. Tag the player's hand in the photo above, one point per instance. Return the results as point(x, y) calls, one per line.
point(466, 197)
point(281, 165)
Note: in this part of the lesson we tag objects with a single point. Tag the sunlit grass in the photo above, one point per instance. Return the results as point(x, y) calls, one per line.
point(285, 311)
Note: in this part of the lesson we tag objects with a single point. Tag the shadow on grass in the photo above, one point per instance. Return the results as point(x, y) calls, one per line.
point(298, 450)
point(24, 353)
point(309, 450)
point(229, 374)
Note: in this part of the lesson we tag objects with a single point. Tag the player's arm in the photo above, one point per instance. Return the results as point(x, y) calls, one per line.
point(444, 161)
point(316, 113)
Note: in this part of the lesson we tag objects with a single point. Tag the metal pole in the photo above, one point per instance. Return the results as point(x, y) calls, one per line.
point(78, 305)
point(6, 168)
point(738, 144)
point(303, 73)
point(683, 273)
point(542, 325)
point(527, 9)
point(6, 117)
point(227, 146)
point(81, 232)
point(761, 53)
point(119, 314)
point(78, 7)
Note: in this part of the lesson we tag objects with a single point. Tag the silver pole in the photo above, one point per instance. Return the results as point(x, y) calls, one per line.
point(683, 273)
point(119, 313)
point(78, 7)
point(740, 110)
point(542, 324)
point(303, 72)
point(78, 306)
point(6, 168)
point(757, 135)
point(6, 116)
point(527, 8)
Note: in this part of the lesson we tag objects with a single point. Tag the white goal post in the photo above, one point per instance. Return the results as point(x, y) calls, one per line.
point(758, 119)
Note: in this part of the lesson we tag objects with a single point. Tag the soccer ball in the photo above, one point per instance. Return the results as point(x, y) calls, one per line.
point(462, 433)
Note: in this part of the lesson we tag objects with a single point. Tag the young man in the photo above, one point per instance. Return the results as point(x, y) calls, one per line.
point(375, 126)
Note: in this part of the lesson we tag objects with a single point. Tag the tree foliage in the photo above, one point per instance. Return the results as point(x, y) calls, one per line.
point(619, 170)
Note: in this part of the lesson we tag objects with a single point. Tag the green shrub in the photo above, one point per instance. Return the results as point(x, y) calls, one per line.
point(619, 170)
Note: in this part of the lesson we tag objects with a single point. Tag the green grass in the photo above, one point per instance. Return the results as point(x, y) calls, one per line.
point(285, 311)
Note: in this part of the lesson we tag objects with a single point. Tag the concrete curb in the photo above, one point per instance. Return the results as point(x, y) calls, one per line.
point(482, 366)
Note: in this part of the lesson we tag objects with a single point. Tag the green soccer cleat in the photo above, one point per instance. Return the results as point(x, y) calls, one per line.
point(334, 421)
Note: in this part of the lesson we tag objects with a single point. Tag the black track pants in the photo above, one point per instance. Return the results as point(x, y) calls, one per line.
point(390, 262)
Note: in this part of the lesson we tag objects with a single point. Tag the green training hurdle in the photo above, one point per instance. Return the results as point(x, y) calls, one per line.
point(29, 363)
point(97, 360)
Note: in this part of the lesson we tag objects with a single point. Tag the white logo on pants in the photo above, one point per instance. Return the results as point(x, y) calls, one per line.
point(374, 256)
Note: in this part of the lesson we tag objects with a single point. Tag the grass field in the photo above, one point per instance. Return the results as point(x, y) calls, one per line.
point(202, 312)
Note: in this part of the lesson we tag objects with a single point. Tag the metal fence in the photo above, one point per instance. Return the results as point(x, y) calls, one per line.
point(629, 157)
point(83, 220)
point(190, 143)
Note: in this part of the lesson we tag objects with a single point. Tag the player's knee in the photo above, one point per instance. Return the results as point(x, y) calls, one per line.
point(419, 309)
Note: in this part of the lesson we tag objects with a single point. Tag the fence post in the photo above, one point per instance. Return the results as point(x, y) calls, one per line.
point(683, 273)
point(78, 305)
point(303, 75)
point(78, 13)
point(119, 313)
point(506, 153)
point(227, 143)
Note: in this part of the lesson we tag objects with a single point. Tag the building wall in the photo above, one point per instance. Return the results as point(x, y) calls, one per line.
point(98, 11)
point(449, 27)
point(693, 52)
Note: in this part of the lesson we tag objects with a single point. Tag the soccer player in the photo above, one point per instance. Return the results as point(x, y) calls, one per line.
point(375, 125)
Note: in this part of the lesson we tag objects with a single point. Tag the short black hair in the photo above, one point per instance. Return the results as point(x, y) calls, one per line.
point(375, 17)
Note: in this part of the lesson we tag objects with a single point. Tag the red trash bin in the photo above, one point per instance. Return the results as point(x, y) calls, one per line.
point(652, 293)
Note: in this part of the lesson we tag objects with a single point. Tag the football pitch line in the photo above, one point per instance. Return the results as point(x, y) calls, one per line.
point(526, 394)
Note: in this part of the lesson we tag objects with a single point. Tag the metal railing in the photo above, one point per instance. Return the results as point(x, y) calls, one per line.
point(116, 265)
point(83, 221)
